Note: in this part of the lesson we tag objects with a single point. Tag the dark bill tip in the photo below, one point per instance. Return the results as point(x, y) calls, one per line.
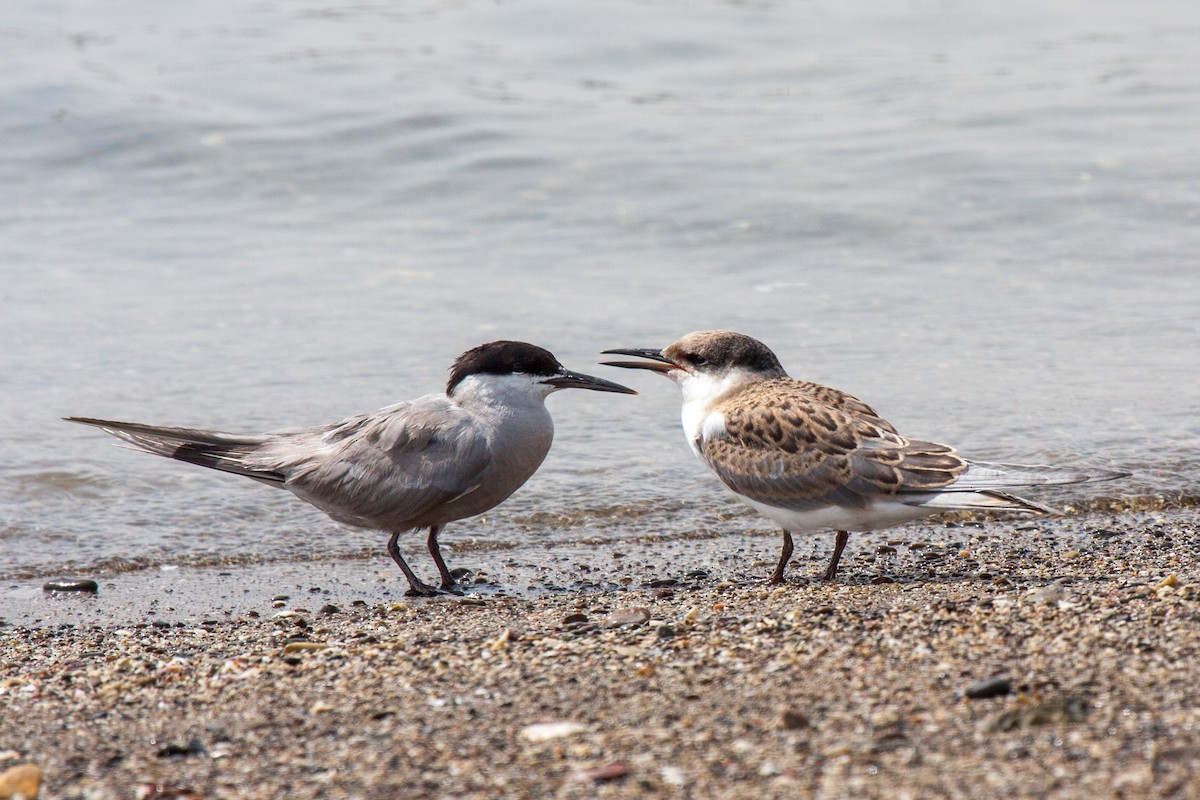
point(577, 380)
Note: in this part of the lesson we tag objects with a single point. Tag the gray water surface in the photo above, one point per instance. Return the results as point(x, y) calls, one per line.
point(983, 221)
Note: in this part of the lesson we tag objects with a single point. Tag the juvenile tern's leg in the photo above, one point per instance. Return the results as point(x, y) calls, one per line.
point(448, 584)
point(839, 545)
point(416, 587)
point(784, 555)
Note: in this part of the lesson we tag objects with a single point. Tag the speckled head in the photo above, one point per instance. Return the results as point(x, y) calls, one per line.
point(717, 352)
point(713, 353)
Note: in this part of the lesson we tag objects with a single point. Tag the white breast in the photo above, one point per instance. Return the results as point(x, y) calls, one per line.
point(877, 515)
point(701, 419)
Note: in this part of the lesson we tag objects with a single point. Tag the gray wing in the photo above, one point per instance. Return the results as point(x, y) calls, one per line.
point(802, 453)
point(386, 469)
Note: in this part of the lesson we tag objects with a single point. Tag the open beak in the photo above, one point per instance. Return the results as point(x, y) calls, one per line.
point(566, 379)
point(658, 362)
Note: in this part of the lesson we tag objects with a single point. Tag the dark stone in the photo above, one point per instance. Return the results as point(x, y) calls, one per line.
point(84, 585)
point(662, 583)
point(992, 687)
point(194, 747)
point(330, 608)
point(575, 619)
point(791, 720)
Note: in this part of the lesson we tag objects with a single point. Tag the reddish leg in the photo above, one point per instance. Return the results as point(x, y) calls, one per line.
point(416, 587)
point(784, 556)
point(838, 546)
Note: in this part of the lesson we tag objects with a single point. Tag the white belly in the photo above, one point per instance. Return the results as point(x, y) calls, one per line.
point(872, 518)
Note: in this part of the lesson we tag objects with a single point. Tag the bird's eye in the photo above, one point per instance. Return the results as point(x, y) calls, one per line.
point(699, 360)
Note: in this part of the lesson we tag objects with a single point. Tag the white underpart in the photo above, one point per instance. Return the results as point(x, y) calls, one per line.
point(511, 409)
point(700, 421)
point(877, 515)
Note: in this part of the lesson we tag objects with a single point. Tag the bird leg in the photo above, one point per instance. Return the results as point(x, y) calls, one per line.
point(784, 555)
point(448, 582)
point(416, 587)
point(838, 546)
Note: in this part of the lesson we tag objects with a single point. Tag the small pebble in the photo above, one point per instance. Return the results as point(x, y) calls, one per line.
point(1171, 580)
point(627, 617)
point(194, 747)
point(24, 780)
point(617, 769)
point(545, 731)
point(991, 687)
point(791, 720)
point(84, 585)
point(574, 619)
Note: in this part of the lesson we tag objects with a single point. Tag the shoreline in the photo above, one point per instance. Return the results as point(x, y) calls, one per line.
point(675, 683)
point(945, 549)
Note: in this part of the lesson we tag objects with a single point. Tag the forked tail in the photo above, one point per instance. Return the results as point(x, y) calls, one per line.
point(226, 452)
point(983, 486)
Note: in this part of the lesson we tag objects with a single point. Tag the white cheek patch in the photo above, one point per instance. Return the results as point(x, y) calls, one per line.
point(703, 387)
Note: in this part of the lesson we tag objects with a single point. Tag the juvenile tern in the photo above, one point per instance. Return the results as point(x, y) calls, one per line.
point(417, 464)
point(814, 458)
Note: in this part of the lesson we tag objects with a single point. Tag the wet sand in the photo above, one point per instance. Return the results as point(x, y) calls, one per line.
point(667, 671)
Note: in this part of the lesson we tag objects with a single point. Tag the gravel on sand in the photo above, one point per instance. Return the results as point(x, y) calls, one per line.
point(699, 687)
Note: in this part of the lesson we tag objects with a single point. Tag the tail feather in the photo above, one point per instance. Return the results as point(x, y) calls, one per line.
point(981, 475)
point(987, 500)
point(984, 487)
point(226, 452)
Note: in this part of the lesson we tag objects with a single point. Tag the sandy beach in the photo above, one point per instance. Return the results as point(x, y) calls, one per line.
point(1000, 659)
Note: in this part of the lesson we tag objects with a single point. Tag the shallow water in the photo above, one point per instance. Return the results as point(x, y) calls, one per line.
point(982, 221)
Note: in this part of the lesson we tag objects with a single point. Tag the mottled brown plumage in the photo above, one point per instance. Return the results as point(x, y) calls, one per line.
point(812, 457)
point(800, 445)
